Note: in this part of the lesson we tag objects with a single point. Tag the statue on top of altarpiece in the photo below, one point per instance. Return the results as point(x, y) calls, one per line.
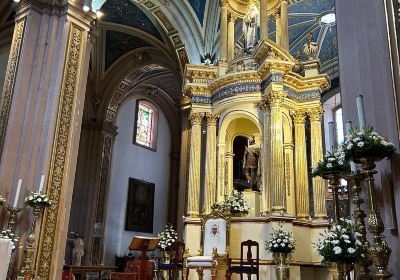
point(251, 163)
point(251, 28)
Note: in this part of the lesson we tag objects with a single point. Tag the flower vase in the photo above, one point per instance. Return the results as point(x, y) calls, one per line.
point(338, 270)
point(282, 265)
point(166, 259)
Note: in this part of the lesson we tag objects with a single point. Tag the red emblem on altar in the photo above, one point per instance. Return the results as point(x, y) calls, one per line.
point(214, 230)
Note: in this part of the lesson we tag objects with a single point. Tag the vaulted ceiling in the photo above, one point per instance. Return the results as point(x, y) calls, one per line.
point(197, 21)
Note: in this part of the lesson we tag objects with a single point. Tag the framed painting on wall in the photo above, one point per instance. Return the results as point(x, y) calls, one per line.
point(140, 207)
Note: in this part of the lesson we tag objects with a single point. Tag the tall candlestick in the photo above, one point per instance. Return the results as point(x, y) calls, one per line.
point(353, 166)
point(331, 126)
point(361, 112)
point(41, 183)
point(17, 193)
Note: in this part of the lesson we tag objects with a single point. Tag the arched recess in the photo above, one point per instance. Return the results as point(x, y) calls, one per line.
point(226, 135)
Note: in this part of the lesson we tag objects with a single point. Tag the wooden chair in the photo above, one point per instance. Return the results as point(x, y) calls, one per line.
point(214, 244)
point(176, 261)
point(248, 265)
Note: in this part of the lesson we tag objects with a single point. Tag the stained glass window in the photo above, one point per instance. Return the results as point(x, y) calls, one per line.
point(145, 125)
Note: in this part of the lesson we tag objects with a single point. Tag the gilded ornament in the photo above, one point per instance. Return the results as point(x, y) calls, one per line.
point(211, 119)
point(316, 114)
point(60, 151)
point(9, 82)
point(276, 98)
point(299, 116)
point(196, 118)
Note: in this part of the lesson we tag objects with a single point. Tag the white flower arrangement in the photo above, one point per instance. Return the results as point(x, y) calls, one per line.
point(38, 200)
point(341, 244)
point(367, 143)
point(167, 237)
point(2, 200)
point(237, 203)
point(333, 162)
point(7, 234)
point(281, 241)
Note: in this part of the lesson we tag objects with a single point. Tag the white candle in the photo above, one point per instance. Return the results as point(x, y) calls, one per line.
point(353, 166)
point(41, 183)
point(17, 193)
point(331, 126)
point(361, 112)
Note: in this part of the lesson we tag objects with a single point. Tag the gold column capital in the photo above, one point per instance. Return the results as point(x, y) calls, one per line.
point(195, 118)
point(316, 114)
point(276, 97)
point(211, 119)
point(264, 105)
point(298, 116)
point(232, 17)
point(223, 3)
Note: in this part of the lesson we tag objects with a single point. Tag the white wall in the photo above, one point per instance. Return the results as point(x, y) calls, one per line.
point(130, 160)
point(3, 66)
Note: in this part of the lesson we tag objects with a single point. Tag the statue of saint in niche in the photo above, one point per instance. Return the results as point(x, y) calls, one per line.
point(251, 163)
point(251, 28)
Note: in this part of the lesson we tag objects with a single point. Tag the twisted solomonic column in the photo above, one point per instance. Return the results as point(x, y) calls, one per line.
point(275, 99)
point(301, 171)
point(319, 188)
point(193, 203)
point(211, 163)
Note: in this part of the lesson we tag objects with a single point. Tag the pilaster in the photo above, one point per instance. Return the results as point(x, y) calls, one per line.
point(41, 114)
point(211, 163)
point(284, 38)
point(231, 37)
point(278, 29)
point(301, 171)
point(275, 99)
point(193, 201)
point(263, 20)
point(266, 158)
point(223, 53)
point(319, 187)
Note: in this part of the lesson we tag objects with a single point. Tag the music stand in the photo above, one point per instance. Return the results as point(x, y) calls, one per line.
point(144, 244)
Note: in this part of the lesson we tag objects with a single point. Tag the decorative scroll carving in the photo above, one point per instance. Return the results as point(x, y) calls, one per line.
point(287, 172)
point(10, 79)
point(196, 118)
point(299, 116)
point(211, 119)
point(60, 151)
point(316, 114)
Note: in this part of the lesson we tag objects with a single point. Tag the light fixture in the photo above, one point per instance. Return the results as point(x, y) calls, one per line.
point(328, 19)
point(17, 1)
point(86, 5)
point(99, 14)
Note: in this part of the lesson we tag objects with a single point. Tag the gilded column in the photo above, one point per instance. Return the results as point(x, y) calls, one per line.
point(223, 42)
point(277, 162)
point(319, 187)
point(266, 159)
point(301, 171)
point(284, 39)
point(231, 37)
point(211, 163)
point(263, 19)
point(278, 29)
point(228, 176)
point(221, 172)
point(194, 165)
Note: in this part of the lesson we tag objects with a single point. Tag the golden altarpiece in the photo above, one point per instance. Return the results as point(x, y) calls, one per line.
point(257, 89)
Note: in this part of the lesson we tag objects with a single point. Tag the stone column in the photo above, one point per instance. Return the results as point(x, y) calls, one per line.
point(319, 187)
point(278, 29)
point(41, 115)
point(277, 162)
point(223, 42)
point(301, 171)
point(193, 202)
point(211, 163)
point(263, 19)
point(231, 37)
point(266, 159)
point(284, 40)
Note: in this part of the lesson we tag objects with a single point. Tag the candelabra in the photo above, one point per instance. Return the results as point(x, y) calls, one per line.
point(12, 219)
point(28, 269)
point(379, 251)
point(334, 182)
point(354, 179)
